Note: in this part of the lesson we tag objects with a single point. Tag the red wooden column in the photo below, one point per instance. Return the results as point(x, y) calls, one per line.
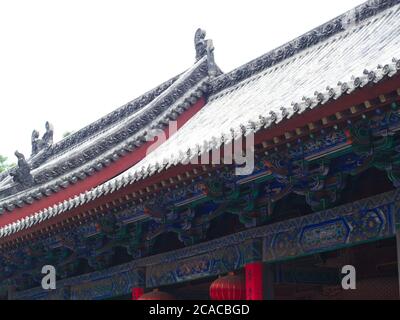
point(254, 280)
point(137, 293)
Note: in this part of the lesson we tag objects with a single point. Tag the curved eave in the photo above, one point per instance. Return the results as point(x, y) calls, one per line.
point(97, 179)
point(92, 130)
point(112, 148)
point(134, 181)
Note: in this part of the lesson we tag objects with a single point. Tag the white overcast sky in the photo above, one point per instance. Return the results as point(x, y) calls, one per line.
point(71, 62)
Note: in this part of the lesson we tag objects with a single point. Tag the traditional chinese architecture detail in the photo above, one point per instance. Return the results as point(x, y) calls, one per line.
point(22, 173)
point(361, 221)
point(119, 214)
point(96, 286)
point(45, 142)
point(36, 142)
point(376, 138)
point(312, 38)
point(367, 220)
point(200, 43)
point(110, 149)
point(205, 48)
point(106, 287)
point(213, 263)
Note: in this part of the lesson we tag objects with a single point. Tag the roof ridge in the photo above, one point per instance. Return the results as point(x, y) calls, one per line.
point(97, 126)
point(127, 138)
point(309, 39)
point(104, 122)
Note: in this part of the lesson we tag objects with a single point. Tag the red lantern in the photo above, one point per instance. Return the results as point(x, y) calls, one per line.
point(157, 295)
point(137, 293)
point(230, 287)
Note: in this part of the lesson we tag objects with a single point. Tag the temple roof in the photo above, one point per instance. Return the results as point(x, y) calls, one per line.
point(359, 48)
point(362, 53)
point(94, 147)
point(86, 134)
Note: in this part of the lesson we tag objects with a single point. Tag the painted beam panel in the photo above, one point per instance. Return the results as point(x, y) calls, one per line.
point(362, 221)
point(209, 264)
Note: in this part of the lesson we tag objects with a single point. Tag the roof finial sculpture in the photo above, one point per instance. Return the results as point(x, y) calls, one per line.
point(22, 173)
point(48, 135)
point(205, 47)
point(46, 141)
point(36, 142)
point(200, 43)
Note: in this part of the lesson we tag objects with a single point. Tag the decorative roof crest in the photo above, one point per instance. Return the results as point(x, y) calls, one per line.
point(38, 144)
point(205, 47)
point(22, 173)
